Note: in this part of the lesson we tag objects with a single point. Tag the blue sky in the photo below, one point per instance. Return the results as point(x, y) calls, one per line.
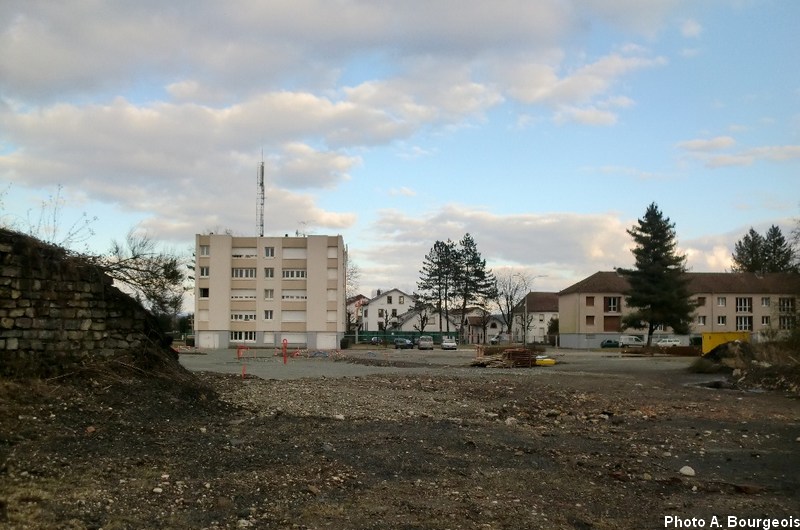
point(544, 129)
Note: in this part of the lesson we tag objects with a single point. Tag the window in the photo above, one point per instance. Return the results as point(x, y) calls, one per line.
point(243, 336)
point(611, 304)
point(365, 313)
point(701, 320)
point(786, 305)
point(590, 320)
point(701, 301)
point(204, 292)
point(541, 318)
point(590, 301)
point(786, 322)
point(744, 305)
point(243, 252)
point(389, 300)
point(269, 272)
point(744, 323)
point(394, 312)
point(294, 274)
point(205, 250)
point(204, 272)
point(722, 320)
point(765, 321)
point(401, 299)
point(268, 315)
point(243, 273)
point(721, 301)
point(294, 294)
point(269, 294)
point(243, 294)
point(269, 252)
point(765, 301)
point(244, 316)
point(380, 313)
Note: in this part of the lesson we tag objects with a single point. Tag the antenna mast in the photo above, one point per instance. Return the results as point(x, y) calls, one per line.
point(260, 214)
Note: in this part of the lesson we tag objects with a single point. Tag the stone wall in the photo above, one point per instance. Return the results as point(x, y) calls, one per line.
point(59, 313)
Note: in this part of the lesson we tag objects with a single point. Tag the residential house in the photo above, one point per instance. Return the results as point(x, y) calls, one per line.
point(267, 291)
point(383, 311)
point(355, 312)
point(761, 304)
point(537, 310)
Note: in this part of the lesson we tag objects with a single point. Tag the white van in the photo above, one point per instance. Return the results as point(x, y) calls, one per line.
point(630, 341)
point(668, 343)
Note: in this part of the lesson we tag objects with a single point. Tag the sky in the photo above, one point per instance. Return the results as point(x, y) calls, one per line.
point(544, 129)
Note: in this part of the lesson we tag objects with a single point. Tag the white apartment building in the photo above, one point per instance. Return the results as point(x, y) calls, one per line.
point(264, 291)
point(385, 309)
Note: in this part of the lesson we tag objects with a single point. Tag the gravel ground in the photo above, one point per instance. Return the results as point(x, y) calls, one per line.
point(396, 440)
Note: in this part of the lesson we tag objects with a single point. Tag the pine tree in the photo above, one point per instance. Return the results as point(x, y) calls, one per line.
point(659, 294)
point(778, 253)
point(757, 253)
point(474, 281)
point(748, 253)
point(438, 276)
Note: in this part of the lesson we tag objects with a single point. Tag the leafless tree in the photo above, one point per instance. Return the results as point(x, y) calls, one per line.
point(512, 287)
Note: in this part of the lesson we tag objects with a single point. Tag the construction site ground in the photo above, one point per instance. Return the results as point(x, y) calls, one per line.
point(398, 439)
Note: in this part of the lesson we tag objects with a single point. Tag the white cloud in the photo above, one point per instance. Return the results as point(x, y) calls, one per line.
point(402, 192)
point(710, 144)
point(691, 28)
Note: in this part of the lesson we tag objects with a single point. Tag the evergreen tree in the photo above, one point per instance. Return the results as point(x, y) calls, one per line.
point(748, 253)
point(659, 293)
point(757, 253)
point(778, 253)
point(474, 282)
point(438, 277)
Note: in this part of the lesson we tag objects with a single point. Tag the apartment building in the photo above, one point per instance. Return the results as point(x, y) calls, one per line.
point(761, 304)
point(264, 291)
point(384, 310)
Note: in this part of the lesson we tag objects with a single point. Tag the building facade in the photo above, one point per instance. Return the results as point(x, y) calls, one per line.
point(763, 305)
point(384, 310)
point(532, 317)
point(267, 291)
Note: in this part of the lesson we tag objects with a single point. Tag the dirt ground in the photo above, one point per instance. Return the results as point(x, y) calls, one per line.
point(444, 448)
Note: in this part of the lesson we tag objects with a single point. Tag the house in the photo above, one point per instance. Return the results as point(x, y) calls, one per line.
point(411, 322)
point(355, 312)
point(762, 304)
point(382, 311)
point(480, 325)
point(267, 291)
point(537, 310)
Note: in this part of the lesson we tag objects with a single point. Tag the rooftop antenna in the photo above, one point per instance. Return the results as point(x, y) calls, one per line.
point(260, 213)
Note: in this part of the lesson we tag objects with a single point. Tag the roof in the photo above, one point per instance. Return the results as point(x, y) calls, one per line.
point(540, 302)
point(699, 282)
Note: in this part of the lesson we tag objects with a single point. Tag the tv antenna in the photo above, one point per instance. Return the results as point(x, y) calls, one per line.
point(260, 206)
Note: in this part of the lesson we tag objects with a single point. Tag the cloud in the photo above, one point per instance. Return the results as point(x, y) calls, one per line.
point(712, 144)
point(402, 192)
point(691, 28)
point(564, 246)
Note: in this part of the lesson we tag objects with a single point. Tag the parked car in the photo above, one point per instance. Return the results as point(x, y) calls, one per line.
point(449, 343)
point(630, 341)
point(609, 343)
point(425, 342)
point(497, 339)
point(403, 344)
point(667, 343)
point(375, 340)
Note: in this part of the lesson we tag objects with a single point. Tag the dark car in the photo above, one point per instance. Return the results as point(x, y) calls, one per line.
point(375, 340)
point(403, 344)
point(609, 343)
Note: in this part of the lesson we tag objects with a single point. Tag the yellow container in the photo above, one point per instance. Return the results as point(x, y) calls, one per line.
point(545, 362)
point(714, 338)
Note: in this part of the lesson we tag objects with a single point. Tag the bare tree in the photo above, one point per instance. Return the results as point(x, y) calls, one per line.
point(156, 278)
point(512, 287)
